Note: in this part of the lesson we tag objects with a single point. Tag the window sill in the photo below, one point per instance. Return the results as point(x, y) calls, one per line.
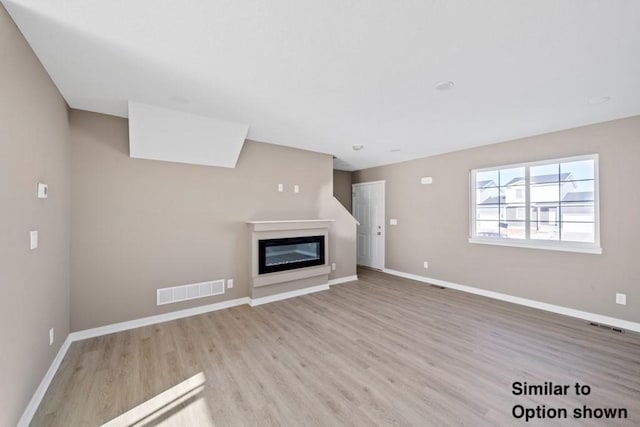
point(536, 245)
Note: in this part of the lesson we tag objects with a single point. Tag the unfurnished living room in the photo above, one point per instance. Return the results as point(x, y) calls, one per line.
point(319, 213)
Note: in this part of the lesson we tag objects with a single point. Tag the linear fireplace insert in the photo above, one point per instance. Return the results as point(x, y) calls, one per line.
point(290, 253)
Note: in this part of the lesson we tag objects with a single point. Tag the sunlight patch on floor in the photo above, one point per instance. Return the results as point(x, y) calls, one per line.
point(182, 404)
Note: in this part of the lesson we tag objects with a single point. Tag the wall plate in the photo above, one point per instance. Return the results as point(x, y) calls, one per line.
point(43, 191)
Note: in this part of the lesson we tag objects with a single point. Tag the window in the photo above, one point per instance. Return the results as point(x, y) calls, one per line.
point(551, 204)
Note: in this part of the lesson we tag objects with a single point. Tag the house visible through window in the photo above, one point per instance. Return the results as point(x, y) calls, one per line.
point(551, 204)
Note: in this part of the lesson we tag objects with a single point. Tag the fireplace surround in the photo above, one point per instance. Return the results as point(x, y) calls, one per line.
point(289, 255)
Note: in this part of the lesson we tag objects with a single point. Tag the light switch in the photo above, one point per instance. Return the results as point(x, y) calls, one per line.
point(34, 239)
point(426, 180)
point(229, 283)
point(43, 191)
point(393, 221)
point(280, 188)
point(296, 188)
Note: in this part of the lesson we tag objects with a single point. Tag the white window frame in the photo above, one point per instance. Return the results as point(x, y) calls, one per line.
point(554, 245)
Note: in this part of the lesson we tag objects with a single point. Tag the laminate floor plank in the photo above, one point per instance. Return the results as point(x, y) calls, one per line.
point(381, 350)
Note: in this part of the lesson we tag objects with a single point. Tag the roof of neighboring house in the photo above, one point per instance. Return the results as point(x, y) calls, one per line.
point(493, 200)
point(540, 179)
point(486, 183)
point(578, 196)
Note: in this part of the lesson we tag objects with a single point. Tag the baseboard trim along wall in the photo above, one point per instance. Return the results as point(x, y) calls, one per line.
point(253, 302)
point(585, 315)
point(34, 403)
point(341, 280)
point(32, 407)
point(151, 320)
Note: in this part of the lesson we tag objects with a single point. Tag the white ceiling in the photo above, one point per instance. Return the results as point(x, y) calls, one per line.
point(324, 75)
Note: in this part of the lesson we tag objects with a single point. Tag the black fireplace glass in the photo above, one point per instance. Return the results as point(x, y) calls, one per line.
point(290, 253)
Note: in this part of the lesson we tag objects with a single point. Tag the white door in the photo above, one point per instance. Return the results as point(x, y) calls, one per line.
point(368, 209)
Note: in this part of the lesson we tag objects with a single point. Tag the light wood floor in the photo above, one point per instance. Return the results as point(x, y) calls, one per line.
point(379, 351)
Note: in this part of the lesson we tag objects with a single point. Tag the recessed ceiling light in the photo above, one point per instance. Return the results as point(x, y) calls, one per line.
point(357, 147)
point(599, 100)
point(445, 85)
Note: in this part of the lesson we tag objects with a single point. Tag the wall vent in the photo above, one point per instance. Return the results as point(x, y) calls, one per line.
point(187, 292)
point(610, 328)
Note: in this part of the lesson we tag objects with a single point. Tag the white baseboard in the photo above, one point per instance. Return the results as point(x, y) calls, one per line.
point(285, 295)
point(585, 315)
point(32, 407)
point(165, 317)
point(340, 280)
point(151, 320)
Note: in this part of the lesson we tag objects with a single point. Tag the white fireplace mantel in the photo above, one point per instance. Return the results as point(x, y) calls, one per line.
point(289, 224)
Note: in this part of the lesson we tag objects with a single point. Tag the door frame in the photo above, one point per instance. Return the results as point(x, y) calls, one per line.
point(384, 215)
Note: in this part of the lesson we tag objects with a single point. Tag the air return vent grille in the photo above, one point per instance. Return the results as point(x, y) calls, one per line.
point(610, 328)
point(187, 292)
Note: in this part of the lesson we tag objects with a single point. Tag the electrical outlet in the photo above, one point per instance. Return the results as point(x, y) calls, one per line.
point(426, 264)
point(333, 266)
point(51, 331)
point(229, 283)
point(621, 299)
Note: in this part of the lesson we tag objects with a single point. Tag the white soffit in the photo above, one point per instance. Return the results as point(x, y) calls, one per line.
point(157, 133)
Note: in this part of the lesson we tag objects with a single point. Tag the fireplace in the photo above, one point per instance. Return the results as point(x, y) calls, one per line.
point(288, 256)
point(290, 253)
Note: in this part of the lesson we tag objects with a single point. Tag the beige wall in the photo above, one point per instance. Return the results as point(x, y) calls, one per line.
point(433, 222)
point(342, 181)
point(34, 146)
point(139, 225)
